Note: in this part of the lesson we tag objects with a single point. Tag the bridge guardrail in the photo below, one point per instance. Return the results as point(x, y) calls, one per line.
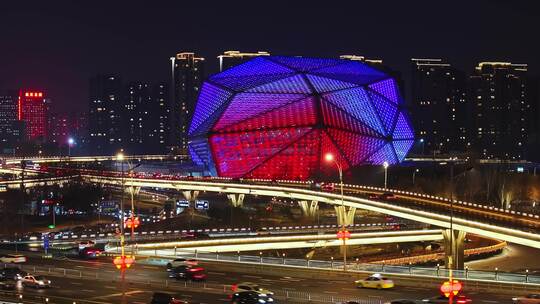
point(170, 285)
point(435, 272)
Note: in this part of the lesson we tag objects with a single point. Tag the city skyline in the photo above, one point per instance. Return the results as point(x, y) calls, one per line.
point(86, 47)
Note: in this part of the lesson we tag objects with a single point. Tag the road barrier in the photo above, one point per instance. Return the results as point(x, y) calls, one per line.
point(433, 272)
point(286, 296)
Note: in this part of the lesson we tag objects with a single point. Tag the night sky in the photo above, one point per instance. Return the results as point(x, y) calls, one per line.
point(58, 46)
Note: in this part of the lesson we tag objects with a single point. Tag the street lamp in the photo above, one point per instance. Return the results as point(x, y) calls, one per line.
point(329, 157)
point(414, 175)
point(422, 142)
point(385, 165)
point(120, 158)
point(71, 141)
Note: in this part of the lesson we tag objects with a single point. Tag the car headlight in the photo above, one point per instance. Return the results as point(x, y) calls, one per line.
point(40, 283)
point(262, 294)
point(262, 301)
point(270, 300)
point(514, 299)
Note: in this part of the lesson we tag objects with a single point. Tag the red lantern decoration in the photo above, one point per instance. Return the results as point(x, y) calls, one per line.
point(450, 287)
point(135, 222)
point(123, 262)
point(343, 234)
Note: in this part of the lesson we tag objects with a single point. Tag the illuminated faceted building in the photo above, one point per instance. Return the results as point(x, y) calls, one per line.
point(439, 106)
point(187, 72)
point(33, 110)
point(501, 109)
point(233, 58)
point(104, 121)
point(10, 128)
point(277, 117)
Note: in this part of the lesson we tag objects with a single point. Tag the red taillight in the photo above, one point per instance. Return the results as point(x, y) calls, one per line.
point(234, 287)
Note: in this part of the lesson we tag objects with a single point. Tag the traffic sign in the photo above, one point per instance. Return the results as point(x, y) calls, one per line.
point(182, 203)
point(202, 205)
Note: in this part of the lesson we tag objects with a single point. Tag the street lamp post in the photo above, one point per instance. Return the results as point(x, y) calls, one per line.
point(330, 158)
point(120, 157)
point(71, 141)
point(385, 165)
point(414, 175)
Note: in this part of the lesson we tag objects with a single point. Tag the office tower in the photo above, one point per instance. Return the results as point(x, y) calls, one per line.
point(231, 58)
point(11, 130)
point(187, 74)
point(104, 121)
point(33, 109)
point(439, 107)
point(500, 108)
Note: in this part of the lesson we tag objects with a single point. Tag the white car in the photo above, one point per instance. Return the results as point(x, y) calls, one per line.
point(375, 281)
point(181, 262)
point(84, 244)
point(248, 286)
point(36, 281)
point(12, 258)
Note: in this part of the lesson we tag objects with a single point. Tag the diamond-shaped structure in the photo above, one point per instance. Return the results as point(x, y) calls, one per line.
point(276, 117)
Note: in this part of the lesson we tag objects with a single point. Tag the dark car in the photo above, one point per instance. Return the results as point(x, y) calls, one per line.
point(8, 284)
point(165, 298)
point(251, 297)
point(186, 272)
point(387, 196)
point(441, 299)
point(12, 273)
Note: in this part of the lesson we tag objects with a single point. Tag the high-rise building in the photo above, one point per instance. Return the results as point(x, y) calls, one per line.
point(60, 128)
point(33, 109)
point(158, 133)
point(137, 104)
point(231, 58)
point(11, 130)
point(104, 121)
point(439, 106)
point(500, 109)
point(187, 74)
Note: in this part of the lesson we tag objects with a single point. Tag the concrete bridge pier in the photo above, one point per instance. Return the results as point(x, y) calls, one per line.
point(309, 209)
point(237, 200)
point(453, 248)
point(190, 195)
point(344, 216)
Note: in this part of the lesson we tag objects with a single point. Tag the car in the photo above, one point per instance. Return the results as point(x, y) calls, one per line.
point(248, 286)
point(36, 281)
point(187, 272)
point(84, 244)
point(12, 258)
point(387, 196)
point(181, 262)
point(442, 299)
point(8, 284)
point(165, 298)
point(251, 297)
point(375, 281)
point(12, 273)
point(90, 253)
point(532, 298)
point(327, 187)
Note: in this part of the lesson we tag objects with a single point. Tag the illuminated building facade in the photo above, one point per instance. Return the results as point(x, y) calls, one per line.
point(104, 119)
point(439, 106)
point(33, 109)
point(276, 117)
point(501, 109)
point(11, 129)
point(187, 73)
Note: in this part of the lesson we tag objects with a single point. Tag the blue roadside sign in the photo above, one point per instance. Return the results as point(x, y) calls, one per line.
point(201, 205)
point(182, 204)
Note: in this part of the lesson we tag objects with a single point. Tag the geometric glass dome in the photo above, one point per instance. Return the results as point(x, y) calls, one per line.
point(276, 117)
